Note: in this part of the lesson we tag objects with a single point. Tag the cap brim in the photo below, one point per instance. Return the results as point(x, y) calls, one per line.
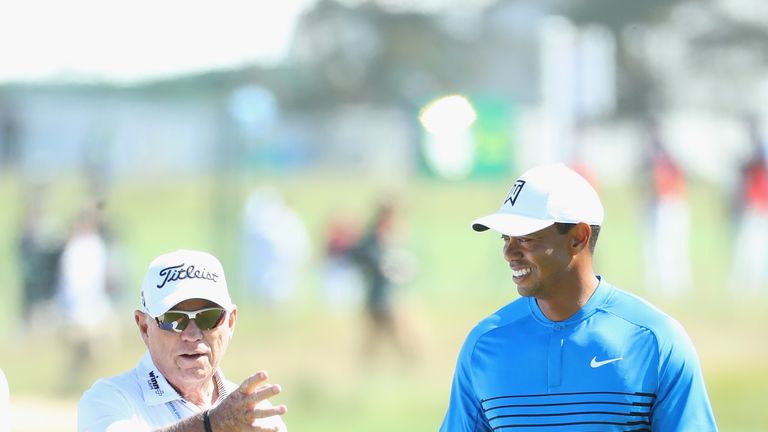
point(191, 291)
point(509, 224)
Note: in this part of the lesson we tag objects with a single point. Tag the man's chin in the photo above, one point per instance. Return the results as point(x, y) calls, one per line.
point(525, 291)
point(197, 374)
point(200, 367)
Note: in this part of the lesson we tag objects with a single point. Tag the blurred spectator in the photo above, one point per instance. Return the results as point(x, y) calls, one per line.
point(750, 255)
point(342, 279)
point(383, 266)
point(579, 159)
point(668, 266)
point(5, 404)
point(38, 252)
point(275, 246)
point(9, 136)
point(82, 296)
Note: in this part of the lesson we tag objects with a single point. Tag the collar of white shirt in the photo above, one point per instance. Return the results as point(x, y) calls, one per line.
point(156, 388)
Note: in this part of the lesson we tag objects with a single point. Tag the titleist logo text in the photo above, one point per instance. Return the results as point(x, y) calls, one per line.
point(178, 272)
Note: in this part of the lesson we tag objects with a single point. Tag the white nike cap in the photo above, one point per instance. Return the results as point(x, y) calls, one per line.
point(542, 196)
point(182, 275)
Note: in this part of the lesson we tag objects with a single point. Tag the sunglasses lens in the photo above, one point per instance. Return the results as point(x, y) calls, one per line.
point(209, 319)
point(178, 321)
point(173, 321)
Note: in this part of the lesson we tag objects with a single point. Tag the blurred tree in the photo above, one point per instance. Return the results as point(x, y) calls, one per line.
point(638, 87)
point(366, 54)
point(619, 14)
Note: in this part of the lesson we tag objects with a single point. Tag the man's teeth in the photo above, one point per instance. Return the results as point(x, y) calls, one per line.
point(521, 272)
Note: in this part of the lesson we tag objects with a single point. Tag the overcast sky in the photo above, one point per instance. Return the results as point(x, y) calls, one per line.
point(137, 39)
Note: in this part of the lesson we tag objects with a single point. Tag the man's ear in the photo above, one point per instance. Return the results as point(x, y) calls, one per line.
point(580, 235)
point(231, 319)
point(141, 322)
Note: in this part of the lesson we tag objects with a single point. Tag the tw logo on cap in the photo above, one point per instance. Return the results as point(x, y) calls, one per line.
point(178, 272)
point(512, 197)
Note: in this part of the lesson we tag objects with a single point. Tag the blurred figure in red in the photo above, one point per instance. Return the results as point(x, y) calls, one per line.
point(750, 254)
point(342, 278)
point(668, 266)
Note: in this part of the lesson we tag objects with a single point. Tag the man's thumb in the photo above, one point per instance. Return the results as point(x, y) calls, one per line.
point(252, 382)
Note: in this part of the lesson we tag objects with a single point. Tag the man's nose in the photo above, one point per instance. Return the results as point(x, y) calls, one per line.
point(511, 250)
point(192, 331)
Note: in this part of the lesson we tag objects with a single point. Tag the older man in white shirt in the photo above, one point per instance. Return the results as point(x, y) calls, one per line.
point(186, 321)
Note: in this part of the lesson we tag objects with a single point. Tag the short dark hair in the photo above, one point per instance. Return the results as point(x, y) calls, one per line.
point(563, 228)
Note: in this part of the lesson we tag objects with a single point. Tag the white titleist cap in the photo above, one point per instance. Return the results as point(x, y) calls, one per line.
point(182, 275)
point(542, 196)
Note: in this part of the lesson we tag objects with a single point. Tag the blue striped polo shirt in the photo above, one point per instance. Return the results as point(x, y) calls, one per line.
point(618, 364)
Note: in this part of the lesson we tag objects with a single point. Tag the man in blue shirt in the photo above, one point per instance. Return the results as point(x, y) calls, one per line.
point(574, 353)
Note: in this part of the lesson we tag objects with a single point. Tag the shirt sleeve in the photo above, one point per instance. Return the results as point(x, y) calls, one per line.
point(682, 401)
point(465, 414)
point(104, 408)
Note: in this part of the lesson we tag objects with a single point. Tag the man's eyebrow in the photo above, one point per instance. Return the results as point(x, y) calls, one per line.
point(526, 237)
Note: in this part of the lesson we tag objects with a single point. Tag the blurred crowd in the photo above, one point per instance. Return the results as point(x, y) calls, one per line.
point(363, 264)
point(72, 280)
point(76, 278)
point(668, 217)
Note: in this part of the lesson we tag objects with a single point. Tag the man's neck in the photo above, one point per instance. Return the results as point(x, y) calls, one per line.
point(204, 396)
point(568, 301)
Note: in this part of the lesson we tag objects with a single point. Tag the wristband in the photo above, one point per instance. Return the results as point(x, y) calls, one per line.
point(207, 421)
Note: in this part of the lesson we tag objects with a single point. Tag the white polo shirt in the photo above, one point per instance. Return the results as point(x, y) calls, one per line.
point(142, 400)
point(5, 404)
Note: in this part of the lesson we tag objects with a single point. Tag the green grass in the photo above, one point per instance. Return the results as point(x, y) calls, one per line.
point(316, 353)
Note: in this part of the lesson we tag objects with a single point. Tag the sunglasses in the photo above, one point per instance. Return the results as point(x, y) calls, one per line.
point(206, 319)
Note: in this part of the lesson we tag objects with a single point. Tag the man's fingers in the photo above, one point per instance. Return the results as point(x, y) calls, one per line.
point(269, 411)
point(267, 429)
point(263, 393)
point(253, 382)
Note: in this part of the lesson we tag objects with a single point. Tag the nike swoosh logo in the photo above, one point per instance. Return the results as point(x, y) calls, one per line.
point(596, 364)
